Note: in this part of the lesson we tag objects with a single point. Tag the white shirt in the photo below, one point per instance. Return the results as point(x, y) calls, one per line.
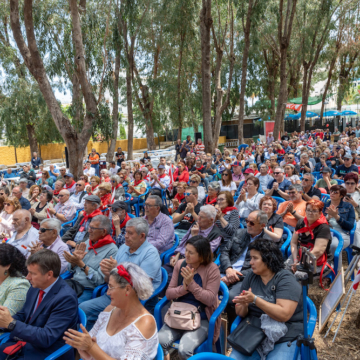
point(230, 187)
point(165, 181)
point(32, 235)
point(114, 171)
point(201, 193)
point(89, 172)
point(74, 198)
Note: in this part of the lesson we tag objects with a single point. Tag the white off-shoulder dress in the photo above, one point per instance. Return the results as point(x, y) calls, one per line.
point(129, 343)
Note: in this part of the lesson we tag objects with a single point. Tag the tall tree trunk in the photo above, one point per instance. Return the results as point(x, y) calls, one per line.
point(179, 98)
point(305, 95)
point(32, 139)
point(115, 110)
point(150, 134)
point(205, 28)
point(327, 85)
point(130, 111)
point(244, 66)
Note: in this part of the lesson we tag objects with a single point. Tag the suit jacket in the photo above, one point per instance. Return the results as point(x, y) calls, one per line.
point(43, 331)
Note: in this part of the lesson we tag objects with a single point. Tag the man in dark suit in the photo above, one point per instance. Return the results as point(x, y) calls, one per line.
point(50, 309)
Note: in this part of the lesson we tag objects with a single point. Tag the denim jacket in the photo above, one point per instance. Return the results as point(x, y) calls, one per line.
point(346, 213)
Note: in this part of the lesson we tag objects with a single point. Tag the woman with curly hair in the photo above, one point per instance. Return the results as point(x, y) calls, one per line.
point(34, 193)
point(270, 289)
point(13, 285)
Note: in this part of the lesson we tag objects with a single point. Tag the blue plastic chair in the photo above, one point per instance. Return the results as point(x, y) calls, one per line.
point(278, 200)
point(286, 245)
point(241, 226)
point(340, 181)
point(325, 197)
point(161, 287)
point(163, 196)
point(317, 175)
point(67, 275)
point(67, 225)
point(64, 349)
point(165, 256)
point(141, 202)
point(209, 356)
point(337, 255)
point(206, 346)
point(127, 197)
point(311, 323)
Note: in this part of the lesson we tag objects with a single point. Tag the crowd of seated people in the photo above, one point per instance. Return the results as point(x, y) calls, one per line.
point(111, 231)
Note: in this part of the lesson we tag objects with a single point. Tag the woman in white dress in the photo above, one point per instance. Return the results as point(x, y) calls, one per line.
point(125, 330)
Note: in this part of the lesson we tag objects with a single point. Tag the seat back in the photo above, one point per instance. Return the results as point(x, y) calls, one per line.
point(165, 256)
point(161, 287)
point(278, 200)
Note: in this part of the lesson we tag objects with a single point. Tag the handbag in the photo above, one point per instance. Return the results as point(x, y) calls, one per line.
point(180, 315)
point(247, 336)
point(76, 286)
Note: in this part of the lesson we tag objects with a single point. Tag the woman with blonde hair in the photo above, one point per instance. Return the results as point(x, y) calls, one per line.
point(11, 204)
point(104, 193)
point(34, 193)
point(92, 189)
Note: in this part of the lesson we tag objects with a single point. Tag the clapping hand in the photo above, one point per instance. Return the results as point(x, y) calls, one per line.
point(188, 275)
point(107, 265)
point(80, 341)
point(243, 194)
point(290, 207)
point(332, 211)
point(219, 213)
point(116, 220)
point(175, 203)
point(275, 186)
point(77, 256)
point(195, 229)
point(35, 247)
point(189, 208)
point(245, 298)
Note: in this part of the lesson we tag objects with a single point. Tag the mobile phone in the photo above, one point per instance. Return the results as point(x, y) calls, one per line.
point(348, 196)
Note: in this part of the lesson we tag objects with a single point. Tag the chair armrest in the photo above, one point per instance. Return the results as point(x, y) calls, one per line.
point(157, 312)
point(64, 349)
point(235, 324)
point(4, 338)
point(66, 275)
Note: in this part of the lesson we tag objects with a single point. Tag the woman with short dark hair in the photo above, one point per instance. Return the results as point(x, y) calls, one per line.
point(39, 209)
point(13, 284)
point(198, 285)
point(271, 290)
point(275, 225)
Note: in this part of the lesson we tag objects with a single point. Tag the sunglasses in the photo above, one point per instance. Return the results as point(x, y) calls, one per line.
point(277, 173)
point(248, 222)
point(78, 184)
point(335, 191)
point(187, 193)
point(193, 181)
point(306, 180)
point(225, 174)
point(350, 183)
point(42, 230)
point(7, 204)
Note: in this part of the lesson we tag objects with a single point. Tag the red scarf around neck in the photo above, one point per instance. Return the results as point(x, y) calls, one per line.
point(69, 186)
point(213, 201)
point(200, 168)
point(105, 200)
point(228, 209)
point(93, 188)
point(137, 182)
point(122, 224)
point(161, 176)
point(90, 216)
point(56, 192)
point(116, 187)
point(102, 242)
point(179, 198)
point(310, 228)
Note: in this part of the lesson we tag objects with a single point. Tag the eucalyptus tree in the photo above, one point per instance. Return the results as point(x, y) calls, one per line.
point(59, 39)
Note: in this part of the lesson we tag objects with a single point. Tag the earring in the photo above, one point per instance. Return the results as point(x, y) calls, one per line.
point(126, 294)
point(6, 272)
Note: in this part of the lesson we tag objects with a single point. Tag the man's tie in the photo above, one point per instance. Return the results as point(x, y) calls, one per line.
point(13, 349)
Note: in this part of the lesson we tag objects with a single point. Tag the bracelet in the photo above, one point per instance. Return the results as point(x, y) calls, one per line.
point(254, 301)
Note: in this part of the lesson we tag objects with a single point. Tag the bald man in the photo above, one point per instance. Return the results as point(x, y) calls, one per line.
point(24, 233)
point(64, 210)
point(17, 192)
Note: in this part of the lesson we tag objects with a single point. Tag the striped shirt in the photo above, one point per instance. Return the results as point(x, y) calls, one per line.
point(67, 209)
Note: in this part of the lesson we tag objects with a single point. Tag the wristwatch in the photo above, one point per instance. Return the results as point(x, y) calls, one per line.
point(11, 326)
point(293, 212)
point(254, 301)
point(83, 268)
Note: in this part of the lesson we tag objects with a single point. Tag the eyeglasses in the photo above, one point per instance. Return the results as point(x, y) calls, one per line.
point(347, 159)
point(292, 192)
point(78, 184)
point(7, 204)
point(42, 230)
point(148, 205)
point(335, 191)
point(193, 181)
point(350, 183)
point(277, 173)
point(306, 180)
point(187, 193)
point(311, 211)
point(248, 222)
point(111, 288)
point(82, 178)
point(220, 200)
point(61, 196)
point(94, 228)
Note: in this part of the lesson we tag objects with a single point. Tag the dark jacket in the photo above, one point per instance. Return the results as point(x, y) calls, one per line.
point(70, 234)
point(234, 248)
point(319, 165)
point(44, 329)
point(25, 204)
point(346, 213)
point(36, 162)
point(29, 175)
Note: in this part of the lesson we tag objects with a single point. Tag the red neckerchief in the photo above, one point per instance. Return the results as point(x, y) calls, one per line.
point(213, 201)
point(56, 192)
point(310, 228)
point(122, 224)
point(69, 186)
point(90, 216)
point(93, 188)
point(147, 178)
point(105, 200)
point(200, 168)
point(161, 176)
point(177, 196)
point(228, 209)
point(137, 182)
point(116, 187)
point(102, 242)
